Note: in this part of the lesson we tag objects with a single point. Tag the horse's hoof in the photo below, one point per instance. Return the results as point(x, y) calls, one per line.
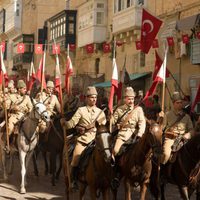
point(22, 191)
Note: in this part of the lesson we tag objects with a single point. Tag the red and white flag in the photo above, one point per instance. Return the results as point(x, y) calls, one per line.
point(68, 73)
point(38, 49)
point(114, 85)
point(32, 76)
point(149, 29)
point(3, 73)
point(40, 72)
point(106, 47)
point(196, 100)
point(170, 41)
point(20, 48)
point(56, 49)
point(3, 46)
point(161, 75)
point(58, 86)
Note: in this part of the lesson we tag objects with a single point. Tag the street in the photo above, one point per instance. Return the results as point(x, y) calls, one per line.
point(39, 188)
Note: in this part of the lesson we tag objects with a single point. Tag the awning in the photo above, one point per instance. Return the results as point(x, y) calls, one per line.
point(188, 22)
point(133, 77)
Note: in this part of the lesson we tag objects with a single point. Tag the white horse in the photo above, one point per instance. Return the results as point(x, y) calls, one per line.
point(28, 137)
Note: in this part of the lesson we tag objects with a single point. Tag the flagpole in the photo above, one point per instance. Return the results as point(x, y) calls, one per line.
point(43, 68)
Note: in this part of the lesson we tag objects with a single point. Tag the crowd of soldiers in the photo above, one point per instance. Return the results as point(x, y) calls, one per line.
point(129, 118)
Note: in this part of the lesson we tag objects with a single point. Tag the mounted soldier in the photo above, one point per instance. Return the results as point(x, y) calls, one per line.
point(129, 120)
point(49, 99)
point(176, 124)
point(84, 120)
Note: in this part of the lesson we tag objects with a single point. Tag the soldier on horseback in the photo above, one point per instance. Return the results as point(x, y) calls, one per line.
point(176, 124)
point(84, 119)
point(49, 99)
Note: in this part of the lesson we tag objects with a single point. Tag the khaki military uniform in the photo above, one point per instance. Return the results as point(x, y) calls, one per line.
point(183, 127)
point(19, 106)
point(50, 101)
point(83, 117)
point(125, 133)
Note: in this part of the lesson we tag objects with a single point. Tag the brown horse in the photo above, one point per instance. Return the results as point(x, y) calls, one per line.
point(136, 163)
point(179, 172)
point(99, 172)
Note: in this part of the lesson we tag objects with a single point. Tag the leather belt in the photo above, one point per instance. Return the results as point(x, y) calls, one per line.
point(171, 135)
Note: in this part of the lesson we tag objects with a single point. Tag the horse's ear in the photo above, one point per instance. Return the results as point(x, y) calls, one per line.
point(34, 101)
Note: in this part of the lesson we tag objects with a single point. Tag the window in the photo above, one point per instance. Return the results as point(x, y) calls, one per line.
point(71, 28)
point(120, 5)
point(140, 2)
point(100, 5)
point(128, 3)
point(100, 18)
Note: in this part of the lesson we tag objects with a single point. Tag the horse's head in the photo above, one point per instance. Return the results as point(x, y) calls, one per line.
point(40, 111)
point(103, 142)
point(156, 138)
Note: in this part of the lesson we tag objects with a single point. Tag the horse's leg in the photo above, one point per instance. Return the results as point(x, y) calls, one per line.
point(143, 191)
point(53, 166)
point(92, 193)
point(82, 191)
point(60, 166)
point(105, 194)
point(127, 189)
point(44, 154)
point(3, 160)
point(162, 189)
point(34, 159)
point(11, 163)
point(114, 194)
point(184, 192)
point(22, 156)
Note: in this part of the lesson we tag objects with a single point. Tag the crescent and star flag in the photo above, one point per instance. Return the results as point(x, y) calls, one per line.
point(3, 72)
point(32, 76)
point(170, 41)
point(40, 71)
point(3, 46)
point(90, 48)
point(58, 86)
point(185, 39)
point(56, 49)
point(68, 73)
point(20, 48)
point(106, 47)
point(196, 100)
point(38, 49)
point(149, 29)
point(72, 47)
point(114, 85)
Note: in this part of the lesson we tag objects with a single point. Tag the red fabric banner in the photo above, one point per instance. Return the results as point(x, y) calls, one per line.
point(38, 49)
point(106, 47)
point(20, 48)
point(56, 49)
point(155, 44)
point(138, 45)
point(185, 39)
point(170, 41)
point(90, 48)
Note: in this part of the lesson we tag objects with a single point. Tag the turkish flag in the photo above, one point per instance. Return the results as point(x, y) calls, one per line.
point(3, 73)
point(32, 77)
point(151, 90)
point(197, 99)
point(72, 47)
point(198, 35)
point(170, 41)
point(106, 47)
point(158, 64)
point(149, 29)
point(56, 49)
point(138, 45)
point(40, 72)
point(114, 85)
point(185, 39)
point(119, 43)
point(38, 48)
point(155, 43)
point(3, 46)
point(68, 73)
point(20, 48)
point(90, 48)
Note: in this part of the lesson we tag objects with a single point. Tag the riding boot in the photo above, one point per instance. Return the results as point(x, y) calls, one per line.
point(74, 178)
point(115, 182)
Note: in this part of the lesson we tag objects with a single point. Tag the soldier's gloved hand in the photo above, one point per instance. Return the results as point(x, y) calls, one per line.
point(15, 108)
point(62, 121)
point(161, 114)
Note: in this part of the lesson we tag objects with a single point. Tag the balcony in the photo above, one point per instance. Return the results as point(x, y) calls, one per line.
point(20, 59)
point(127, 19)
point(92, 22)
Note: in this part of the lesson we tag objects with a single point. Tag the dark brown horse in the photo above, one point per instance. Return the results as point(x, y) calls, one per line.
point(179, 172)
point(99, 172)
point(136, 163)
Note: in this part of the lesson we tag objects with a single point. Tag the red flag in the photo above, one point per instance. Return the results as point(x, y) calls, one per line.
point(106, 47)
point(68, 73)
point(56, 49)
point(161, 75)
point(90, 48)
point(198, 35)
point(138, 45)
point(170, 41)
point(114, 85)
point(196, 100)
point(32, 77)
point(152, 90)
point(3, 46)
point(185, 39)
point(38, 49)
point(40, 72)
point(149, 29)
point(72, 47)
point(58, 86)
point(3, 73)
point(158, 64)
point(20, 48)
point(119, 43)
point(155, 43)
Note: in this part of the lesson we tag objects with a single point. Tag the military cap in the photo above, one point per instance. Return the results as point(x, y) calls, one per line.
point(91, 91)
point(10, 85)
point(11, 81)
point(50, 84)
point(21, 84)
point(140, 93)
point(129, 92)
point(176, 96)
